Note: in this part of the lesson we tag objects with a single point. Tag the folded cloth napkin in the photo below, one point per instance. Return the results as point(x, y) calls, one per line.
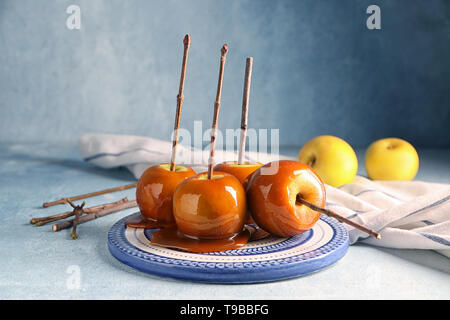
point(407, 214)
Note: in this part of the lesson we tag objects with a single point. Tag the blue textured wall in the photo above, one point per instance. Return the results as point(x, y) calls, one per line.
point(317, 68)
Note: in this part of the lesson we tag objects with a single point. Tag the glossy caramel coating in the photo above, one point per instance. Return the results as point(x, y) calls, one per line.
point(154, 192)
point(271, 198)
point(210, 208)
point(240, 171)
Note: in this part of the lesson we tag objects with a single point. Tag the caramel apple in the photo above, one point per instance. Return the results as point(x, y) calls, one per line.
point(210, 208)
point(272, 198)
point(157, 184)
point(240, 171)
point(154, 193)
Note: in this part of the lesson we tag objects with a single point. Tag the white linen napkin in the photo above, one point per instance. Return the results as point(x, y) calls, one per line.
point(407, 214)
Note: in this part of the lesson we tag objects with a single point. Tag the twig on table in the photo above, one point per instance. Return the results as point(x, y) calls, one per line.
point(77, 211)
point(44, 220)
point(95, 215)
point(88, 195)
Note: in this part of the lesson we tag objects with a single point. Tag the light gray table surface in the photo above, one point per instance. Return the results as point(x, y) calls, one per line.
point(36, 263)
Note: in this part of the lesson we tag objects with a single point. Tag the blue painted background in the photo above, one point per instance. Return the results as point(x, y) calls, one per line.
point(317, 68)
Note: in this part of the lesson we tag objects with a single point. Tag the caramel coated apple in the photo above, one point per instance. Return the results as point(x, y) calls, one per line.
point(210, 208)
point(155, 189)
point(272, 197)
point(240, 171)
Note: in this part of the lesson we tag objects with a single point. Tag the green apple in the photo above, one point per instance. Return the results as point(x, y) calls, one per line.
point(391, 159)
point(333, 159)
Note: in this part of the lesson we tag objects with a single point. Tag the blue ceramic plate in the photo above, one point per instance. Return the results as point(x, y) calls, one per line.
point(269, 259)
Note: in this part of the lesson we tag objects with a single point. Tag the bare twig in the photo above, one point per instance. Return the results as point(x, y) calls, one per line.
point(77, 211)
point(44, 220)
point(95, 215)
point(223, 55)
point(180, 97)
point(245, 102)
point(88, 195)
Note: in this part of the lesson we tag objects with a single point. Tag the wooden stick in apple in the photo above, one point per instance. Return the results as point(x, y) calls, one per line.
point(245, 101)
point(338, 217)
point(223, 56)
point(180, 97)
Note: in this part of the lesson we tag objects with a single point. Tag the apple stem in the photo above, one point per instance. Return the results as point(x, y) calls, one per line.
point(340, 218)
point(180, 97)
point(245, 101)
point(223, 55)
point(312, 162)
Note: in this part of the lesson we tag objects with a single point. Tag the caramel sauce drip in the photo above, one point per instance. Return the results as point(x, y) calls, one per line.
point(138, 221)
point(172, 238)
point(169, 237)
